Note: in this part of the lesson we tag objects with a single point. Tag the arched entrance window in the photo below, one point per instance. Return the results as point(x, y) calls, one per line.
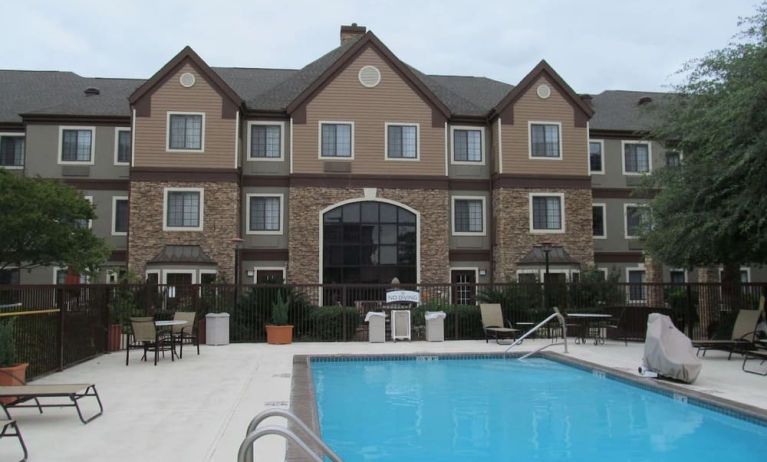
point(369, 242)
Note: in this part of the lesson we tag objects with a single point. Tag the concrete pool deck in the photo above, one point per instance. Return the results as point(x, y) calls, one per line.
point(197, 408)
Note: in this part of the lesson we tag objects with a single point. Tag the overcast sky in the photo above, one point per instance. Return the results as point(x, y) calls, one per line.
point(594, 45)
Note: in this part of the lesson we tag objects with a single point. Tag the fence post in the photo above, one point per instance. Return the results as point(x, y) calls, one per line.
point(690, 311)
point(343, 312)
point(106, 320)
point(61, 335)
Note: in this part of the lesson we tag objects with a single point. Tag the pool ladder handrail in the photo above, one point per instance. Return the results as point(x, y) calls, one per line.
point(253, 433)
point(556, 314)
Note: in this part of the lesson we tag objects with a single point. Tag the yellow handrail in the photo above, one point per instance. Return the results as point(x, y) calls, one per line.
point(29, 312)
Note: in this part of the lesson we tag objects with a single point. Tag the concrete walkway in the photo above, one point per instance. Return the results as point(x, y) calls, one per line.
point(197, 409)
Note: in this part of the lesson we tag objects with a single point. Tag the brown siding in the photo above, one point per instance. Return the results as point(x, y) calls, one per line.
point(171, 96)
point(554, 109)
point(393, 100)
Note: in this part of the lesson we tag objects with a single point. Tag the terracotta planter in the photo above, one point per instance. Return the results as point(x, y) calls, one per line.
point(114, 336)
point(279, 335)
point(14, 375)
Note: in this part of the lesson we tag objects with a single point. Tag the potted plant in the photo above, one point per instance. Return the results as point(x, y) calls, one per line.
point(279, 332)
point(11, 372)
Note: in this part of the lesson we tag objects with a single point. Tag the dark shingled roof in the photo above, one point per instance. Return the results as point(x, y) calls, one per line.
point(182, 254)
point(620, 110)
point(482, 93)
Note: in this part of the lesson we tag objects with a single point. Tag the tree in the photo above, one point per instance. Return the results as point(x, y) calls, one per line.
point(41, 224)
point(712, 209)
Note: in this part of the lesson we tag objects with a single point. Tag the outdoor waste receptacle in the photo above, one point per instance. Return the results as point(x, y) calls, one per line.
point(217, 329)
point(435, 326)
point(376, 326)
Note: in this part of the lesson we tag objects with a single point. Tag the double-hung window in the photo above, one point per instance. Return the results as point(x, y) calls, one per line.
point(119, 216)
point(337, 140)
point(76, 145)
point(636, 280)
point(545, 140)
point(122, 146)
point(467, 145)
point(11, 150)
point(184, 209)
point(547, 213)
point(468, 215)
point(673, 159)
point(677, 276)
point(265, 213)
point(402, 141)
point(265, 141)
point(635, 217)
point(596, 156)
point(186, 132)
point(636, 158)
point(598, 221)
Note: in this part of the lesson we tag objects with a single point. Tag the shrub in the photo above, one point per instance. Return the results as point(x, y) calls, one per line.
point(7, 344)
point(280, 310)
point(327, 323)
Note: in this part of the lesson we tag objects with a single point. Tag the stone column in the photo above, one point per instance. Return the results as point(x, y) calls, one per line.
point(654, 277)
point(708, 299)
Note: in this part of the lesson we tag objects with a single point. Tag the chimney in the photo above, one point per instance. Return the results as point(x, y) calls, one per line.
point(353, 32)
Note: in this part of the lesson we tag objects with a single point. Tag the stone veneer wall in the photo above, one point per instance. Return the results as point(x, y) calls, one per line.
point(220, 224)
point(512, 228)
point(307, 202)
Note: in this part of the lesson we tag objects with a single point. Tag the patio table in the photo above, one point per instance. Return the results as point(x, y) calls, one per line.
point(587, 321)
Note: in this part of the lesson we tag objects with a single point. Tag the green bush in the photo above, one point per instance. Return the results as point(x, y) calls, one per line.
point(463, 320)
point(327, 323)
point(7, 344)
point(280, 310)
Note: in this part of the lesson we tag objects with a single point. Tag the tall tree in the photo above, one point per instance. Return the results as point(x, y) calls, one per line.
point(42, 223)
point(712, 209)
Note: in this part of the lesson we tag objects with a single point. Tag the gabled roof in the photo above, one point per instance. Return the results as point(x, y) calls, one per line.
point(187, 54)
point(543, 68)
point(345, 54)
point(621, 110)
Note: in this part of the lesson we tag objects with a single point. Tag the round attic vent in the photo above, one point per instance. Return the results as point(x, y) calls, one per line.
point(370, 76)
point(543, 91)
point(186, 79)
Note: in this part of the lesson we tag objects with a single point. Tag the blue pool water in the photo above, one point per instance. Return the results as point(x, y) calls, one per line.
point(505, 409)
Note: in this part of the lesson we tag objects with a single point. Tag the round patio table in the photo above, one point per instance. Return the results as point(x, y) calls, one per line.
point(170, 325)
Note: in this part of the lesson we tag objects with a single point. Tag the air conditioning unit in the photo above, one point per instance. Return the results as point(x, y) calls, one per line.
point(400, 325)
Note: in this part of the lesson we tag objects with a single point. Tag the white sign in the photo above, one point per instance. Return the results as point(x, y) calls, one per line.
point(403, 296)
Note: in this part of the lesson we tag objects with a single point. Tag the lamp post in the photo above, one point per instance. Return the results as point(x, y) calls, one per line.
point(546, 248)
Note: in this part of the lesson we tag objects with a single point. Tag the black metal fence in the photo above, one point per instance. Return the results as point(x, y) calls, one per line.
point(60, 325)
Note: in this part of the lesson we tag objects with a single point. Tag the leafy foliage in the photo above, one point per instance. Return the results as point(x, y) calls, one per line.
point(328, 323)
point(713, 208)
point(280, 310)
point(40, 226)
point(7, 344)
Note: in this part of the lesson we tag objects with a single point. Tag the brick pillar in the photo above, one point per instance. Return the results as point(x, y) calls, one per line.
point(654, 275)
point(708, 298)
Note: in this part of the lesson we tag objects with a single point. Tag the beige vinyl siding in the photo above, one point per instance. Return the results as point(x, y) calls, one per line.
point(219, 142)
point(515, 137)
point(393, 100)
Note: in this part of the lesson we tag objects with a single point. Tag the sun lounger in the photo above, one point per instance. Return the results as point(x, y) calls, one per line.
point(492, 322)
point(742, 337)
point(74, 392)
point(6, 426)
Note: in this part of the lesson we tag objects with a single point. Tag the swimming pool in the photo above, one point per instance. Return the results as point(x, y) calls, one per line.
point(464, 409)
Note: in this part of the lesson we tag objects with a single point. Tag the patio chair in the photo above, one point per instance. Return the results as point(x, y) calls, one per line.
point(144, 336)
point(187, 332)
point(616, 323)
point(5, 427)
point(741, 338)
point(492, 323)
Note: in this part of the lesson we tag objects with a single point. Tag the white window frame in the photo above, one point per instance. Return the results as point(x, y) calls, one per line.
point(481, 130)
point(117, 144)
point(601, 154)
point(61, 160)
point(453, 199)
point(561, 197)
point(170, 291)
point(17, 135)
point(604, 271)
point(281, 158)
point(742, 268)
point(256, 269)
point(604, 220)
point(475, 269)
point(83, 278)
point(153, 271)
point(90, 221)
point(319, 139)
point(536, 272)
point(684, 271)
point(639, 267)
point(114, 214)
point(623, 157)
point(205, 271)
point(530, 124)
point(665, 156)
point(165, 194)
point(167, 132)
point(281, 196)
point(626, 219)
point(417, 141)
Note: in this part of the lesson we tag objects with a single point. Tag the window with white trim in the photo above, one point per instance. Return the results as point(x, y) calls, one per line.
point(546, 212)
point(467, 145)
point(673, 159)
point(76, 145)
point(544, 140)
point(636, 158)
point(12, 151)
point(596, 157)
point(265, 213)
point(636, 280)
point(677, 276)
point(266, 141)
point(183, 209)
point(120, 218)
point(401, 141)
point(468, 215)
point(598, 220)
point(185, 132)
point(635, 218)
point(123, 146)
point(336, 140)
point(85, 223)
